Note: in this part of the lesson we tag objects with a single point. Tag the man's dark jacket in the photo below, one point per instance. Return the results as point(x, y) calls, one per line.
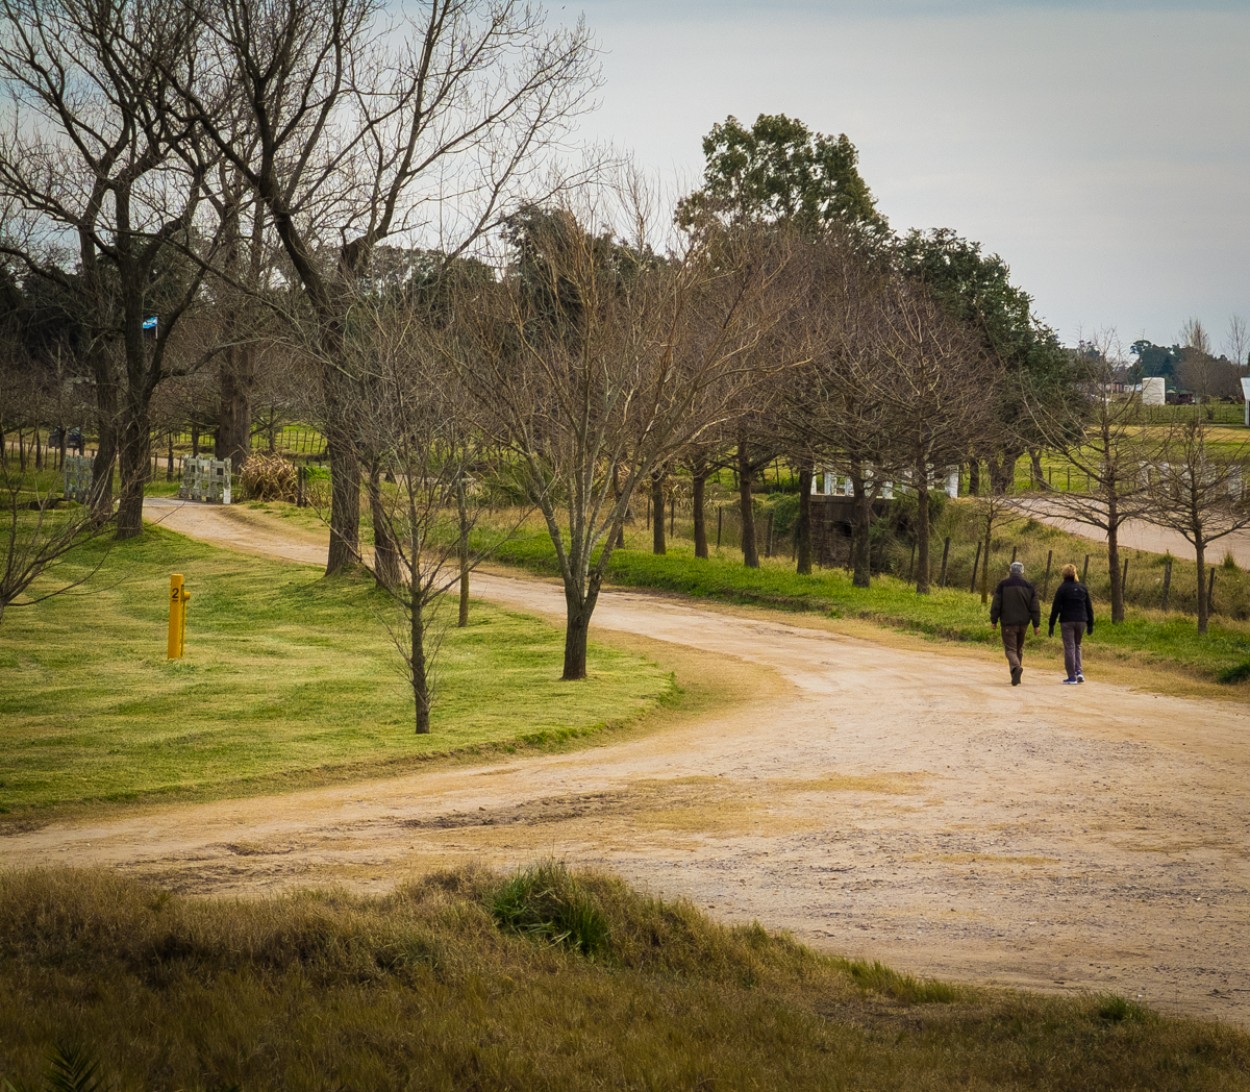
point(1015, 603)
point(1072, 604)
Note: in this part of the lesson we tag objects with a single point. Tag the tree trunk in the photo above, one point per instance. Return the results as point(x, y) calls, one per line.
point(803, 526)
point(417, 665)
point(133, 464)
point(698, 491)
point(616, 496)
point(974, 478)
point(462, 511)
point(1035, 462)
point(861, 528)
point(386, 569)
point(107, 410)
point(922, 530)
point(344, 549)
point(985, 560)
point(746, 505)
point(658, 542)
point(1113, 559)
point(578, 609)
point(1204, 607)
point(236, 377)
point(1003, 472)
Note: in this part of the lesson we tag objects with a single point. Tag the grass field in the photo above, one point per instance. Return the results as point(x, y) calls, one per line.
point(543, 980)
point(287, 679)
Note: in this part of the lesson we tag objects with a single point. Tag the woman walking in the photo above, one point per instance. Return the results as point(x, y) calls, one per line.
point(1075, 613)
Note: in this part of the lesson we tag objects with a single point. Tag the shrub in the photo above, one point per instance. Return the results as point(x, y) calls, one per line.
point(548, 904)
point(268, 477)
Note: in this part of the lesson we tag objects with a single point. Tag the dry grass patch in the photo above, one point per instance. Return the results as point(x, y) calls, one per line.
point(544, 979)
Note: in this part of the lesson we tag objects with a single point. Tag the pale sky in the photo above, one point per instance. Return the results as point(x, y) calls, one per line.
point(1101, 148)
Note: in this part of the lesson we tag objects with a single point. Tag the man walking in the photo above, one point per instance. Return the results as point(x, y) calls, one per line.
point(1015, 606)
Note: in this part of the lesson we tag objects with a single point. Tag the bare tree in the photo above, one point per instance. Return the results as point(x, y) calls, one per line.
point(1101, 436)
point(596, 361)
point(938, 387)
point(36, 535)
point(94, 159)
point(350, 131)
point(1199, 371)
point(834, 410)
point(1199, 491)
point(1237, 343)
point(413, 419)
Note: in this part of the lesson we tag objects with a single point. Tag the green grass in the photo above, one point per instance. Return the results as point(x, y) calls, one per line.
point(549, 980)
point(1147, 637)
point(287, 678)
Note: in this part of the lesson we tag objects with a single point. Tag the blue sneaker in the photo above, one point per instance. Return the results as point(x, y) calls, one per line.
point(1070, 682)
point(1080, 677)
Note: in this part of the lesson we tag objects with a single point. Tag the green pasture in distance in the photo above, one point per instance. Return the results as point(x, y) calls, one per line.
point(288, 679)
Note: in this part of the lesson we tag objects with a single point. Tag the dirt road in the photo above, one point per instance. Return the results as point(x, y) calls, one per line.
point(878, 797)
point(1137, 534)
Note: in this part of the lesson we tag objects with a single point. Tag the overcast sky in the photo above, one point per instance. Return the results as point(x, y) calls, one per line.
point(1101, 147)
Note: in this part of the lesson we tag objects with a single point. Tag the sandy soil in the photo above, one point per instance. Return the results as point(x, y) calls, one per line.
point(878, 797)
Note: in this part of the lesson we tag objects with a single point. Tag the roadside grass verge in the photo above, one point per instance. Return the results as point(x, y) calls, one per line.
point(544, 980)
point(288, 679)
point(1148, 638)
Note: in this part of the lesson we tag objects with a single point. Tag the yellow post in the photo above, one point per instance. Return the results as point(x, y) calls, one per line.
point(178, 596)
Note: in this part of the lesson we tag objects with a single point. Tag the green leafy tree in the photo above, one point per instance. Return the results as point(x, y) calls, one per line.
point(1154, 360)
point(976, 289)
point(780, 171)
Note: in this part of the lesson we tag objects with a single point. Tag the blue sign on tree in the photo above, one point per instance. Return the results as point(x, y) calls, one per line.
point(149, 323)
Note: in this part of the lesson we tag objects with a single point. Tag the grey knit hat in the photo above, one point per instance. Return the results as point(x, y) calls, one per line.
point(1017, 568)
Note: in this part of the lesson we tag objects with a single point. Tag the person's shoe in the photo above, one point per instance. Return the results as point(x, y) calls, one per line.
point(1080, 677)
point(1070, 682)
point(1016, 672)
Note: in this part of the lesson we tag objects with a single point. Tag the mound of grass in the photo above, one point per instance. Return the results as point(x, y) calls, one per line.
point(433, 988)
point(288, 679)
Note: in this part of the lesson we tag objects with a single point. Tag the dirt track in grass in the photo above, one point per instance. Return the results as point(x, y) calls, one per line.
point(879, 797)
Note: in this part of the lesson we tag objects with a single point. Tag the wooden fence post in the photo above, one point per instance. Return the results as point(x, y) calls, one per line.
point(768, 536)
point(1211, 591)
point(976, 561)
point(1046, 580)
point(720, 512)
point(946, 549)
point(1014, 551)
point(1167, 580)
point(672, 517)
point(1085, 571)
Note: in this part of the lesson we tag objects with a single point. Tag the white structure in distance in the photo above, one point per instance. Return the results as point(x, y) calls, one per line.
point(829, 484)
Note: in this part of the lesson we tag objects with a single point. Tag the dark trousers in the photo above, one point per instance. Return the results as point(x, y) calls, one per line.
point(1013, 644)
point(1072, 633)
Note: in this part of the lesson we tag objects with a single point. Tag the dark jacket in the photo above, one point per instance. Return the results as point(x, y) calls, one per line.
point(1072, 604)
point(1015, 603)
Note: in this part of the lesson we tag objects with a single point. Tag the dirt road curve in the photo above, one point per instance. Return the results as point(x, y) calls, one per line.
point(882, 800)
point(1136, 534)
